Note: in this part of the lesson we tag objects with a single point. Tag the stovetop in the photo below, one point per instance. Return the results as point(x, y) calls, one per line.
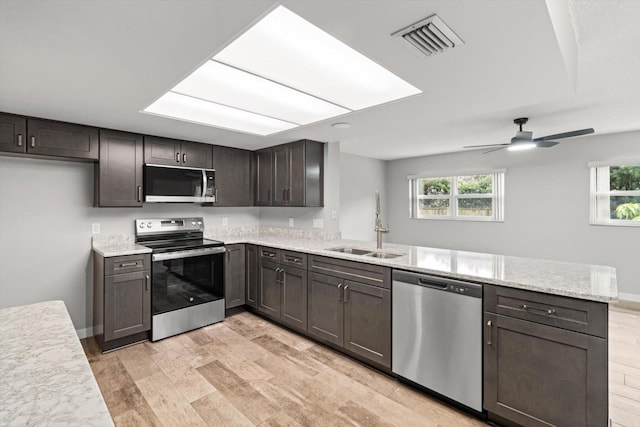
point(180, 244)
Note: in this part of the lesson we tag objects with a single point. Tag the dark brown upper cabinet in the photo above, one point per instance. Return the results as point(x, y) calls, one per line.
point(233, 176)
point(118, 174)
point(290, 174)
point(48, 138)
point(173, 152)
point(13, 133)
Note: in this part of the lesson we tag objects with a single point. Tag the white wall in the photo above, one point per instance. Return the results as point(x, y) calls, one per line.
point(546, 206)
point(360, 178)
point(46, 214)
point(303, 217)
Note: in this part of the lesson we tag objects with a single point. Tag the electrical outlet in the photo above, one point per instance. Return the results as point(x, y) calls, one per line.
point(95, 228)
point(291, 222)
point(318, 223)
point(225, 222)
point(334, 215)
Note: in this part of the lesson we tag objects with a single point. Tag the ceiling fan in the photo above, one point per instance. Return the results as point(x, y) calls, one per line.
point(524, 140)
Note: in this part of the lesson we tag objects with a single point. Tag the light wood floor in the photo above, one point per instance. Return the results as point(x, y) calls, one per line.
point(247, 371)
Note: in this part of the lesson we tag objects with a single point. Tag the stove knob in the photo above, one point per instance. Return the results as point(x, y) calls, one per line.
point(141, 225)
point(149, 225)
point(199, 222)
point(193, 223)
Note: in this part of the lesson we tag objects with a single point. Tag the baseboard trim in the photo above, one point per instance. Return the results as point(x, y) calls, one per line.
point(84, 333)
point(624, 296)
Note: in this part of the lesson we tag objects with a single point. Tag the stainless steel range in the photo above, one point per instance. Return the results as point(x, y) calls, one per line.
point(187, 284)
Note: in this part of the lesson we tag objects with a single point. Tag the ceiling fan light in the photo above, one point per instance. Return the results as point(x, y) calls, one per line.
point(520, 146)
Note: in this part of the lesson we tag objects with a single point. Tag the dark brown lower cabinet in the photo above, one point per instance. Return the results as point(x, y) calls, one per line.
point(121, 300)
point(283, 294)
point(251, 279)
point(234, 290)
point(351, 315)
point(537, 374)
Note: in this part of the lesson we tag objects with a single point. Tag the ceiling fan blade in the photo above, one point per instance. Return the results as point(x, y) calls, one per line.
point(487, 145)
point(546, 144)
point(495, 149)
point(565, 134)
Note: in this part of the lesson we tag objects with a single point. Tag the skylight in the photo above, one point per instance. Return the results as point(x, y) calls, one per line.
point(282, 73)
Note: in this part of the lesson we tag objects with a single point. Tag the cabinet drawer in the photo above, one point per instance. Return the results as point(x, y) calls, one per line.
point(294, 259)
point(358, 271)
point(126, 264)
point(269, 254)
point(573, 314)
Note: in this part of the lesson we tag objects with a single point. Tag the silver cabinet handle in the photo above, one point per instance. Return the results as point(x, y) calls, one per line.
point(293, 259)
point(215, 195)
point(146, 282)
point(268, 254)
point(139, 193)
point(128, 264)
point(489, 333)
point(288, 194)
point(184, 158)
point(177, 157)
point(228, 255)
point(346, 294)
point(19, 140)
point(549, 311)
point(33, 141)
point(339, 292)
point(284, 194)
point(284, 277)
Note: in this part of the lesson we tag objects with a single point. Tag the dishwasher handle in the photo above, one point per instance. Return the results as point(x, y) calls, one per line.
point(431, 284)
point(444, 284)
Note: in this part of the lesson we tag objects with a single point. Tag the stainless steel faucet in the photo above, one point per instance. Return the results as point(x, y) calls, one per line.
point(379, 228)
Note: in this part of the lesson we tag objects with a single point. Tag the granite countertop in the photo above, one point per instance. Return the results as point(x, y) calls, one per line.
point(590, 282)
point(45, 378)
point(117, 246)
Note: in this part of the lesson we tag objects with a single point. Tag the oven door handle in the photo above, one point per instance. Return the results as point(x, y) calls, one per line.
point(188, 254)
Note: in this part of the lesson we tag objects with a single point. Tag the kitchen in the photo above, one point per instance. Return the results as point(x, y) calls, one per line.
point(45, 252)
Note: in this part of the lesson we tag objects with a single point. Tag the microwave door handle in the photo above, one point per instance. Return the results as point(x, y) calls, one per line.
point(204, 184)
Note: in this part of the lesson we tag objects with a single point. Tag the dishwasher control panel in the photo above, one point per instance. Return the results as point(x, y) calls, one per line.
point(439, 283)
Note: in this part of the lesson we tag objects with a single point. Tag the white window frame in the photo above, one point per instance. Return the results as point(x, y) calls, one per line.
point(599, 191)
point(497, 195)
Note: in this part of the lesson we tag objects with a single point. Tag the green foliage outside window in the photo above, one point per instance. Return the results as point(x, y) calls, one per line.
point(624, 178)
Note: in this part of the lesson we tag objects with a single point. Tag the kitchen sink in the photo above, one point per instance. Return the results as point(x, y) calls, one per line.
point(365, 252)
point(383, 255)
point(353, 251)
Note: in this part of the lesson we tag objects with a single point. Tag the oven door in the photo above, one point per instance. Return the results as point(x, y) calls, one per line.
point(178, 184)
point(184, 279)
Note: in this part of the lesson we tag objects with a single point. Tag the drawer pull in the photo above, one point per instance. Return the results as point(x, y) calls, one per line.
point(128, 264)
point(33, 142)
point(268, 254)
point(549, 311)
point(177, 157)
point(19, 140)
point(489, 333)
point(294, 259)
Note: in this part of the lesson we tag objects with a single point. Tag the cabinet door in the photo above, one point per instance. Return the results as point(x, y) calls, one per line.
point(282, 175)
point(162, 151)
point(13, 133)
point(296, 191)
point(269, 289)
point(252, 276)
point(538, 375)
point(233, 176)
point(196, 155)
point(326, 312)
point(367, 322)
point(62, 139)
point(127, 304)
point(264, 177)
point(119, 171)
point(294, 298)
point(235, 276)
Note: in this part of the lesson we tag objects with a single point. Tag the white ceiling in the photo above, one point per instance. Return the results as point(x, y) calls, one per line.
point(101, 62)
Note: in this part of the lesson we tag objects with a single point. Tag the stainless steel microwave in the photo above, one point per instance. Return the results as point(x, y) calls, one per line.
point(178, 184)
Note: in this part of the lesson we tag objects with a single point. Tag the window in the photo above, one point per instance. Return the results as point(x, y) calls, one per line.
point(615, 193)
point(472, 196)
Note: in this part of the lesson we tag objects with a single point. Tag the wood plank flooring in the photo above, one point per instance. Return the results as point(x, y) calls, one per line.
point(247, 371)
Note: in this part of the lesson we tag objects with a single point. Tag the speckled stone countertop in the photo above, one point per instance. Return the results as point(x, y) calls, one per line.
point(117, 245)
point(45, 378)
point(590, 282)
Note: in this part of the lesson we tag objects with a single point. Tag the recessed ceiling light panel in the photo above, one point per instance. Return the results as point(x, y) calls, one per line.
point(288, 49)
point(196, 110)
point(281, 73)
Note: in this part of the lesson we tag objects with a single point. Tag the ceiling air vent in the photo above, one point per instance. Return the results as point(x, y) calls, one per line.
point(429, 36)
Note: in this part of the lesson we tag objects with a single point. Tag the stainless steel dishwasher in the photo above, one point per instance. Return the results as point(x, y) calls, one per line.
point(437, 335)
